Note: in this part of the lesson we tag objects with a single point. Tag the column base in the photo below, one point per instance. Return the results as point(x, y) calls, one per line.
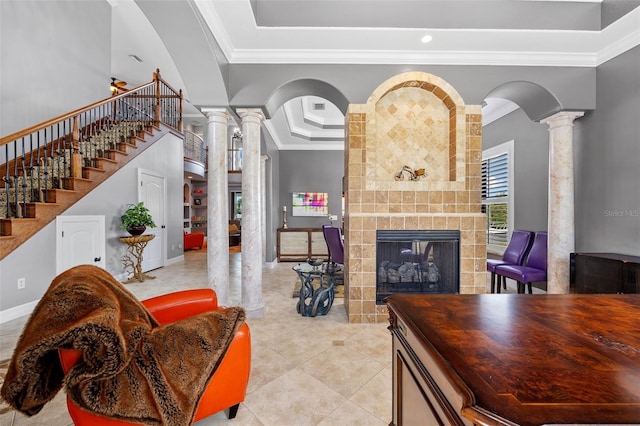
point(255, 312)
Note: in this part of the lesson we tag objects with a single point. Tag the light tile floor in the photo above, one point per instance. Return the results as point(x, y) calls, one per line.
point(305, 371)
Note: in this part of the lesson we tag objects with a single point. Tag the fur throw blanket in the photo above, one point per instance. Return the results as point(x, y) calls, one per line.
point(131, 368)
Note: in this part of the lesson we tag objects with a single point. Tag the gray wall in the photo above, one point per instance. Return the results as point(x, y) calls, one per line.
point(531, 166)
point(614, 9)
point(274, 208)
point(607, 149)
point(110, 200)
point(311, 171)
point(54, 57)
point(252, 85)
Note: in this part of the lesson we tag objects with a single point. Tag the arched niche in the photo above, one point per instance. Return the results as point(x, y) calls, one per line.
point(186, 193)
point(417, 120)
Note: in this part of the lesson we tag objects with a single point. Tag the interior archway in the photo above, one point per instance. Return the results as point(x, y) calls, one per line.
point(305, 87)
point(536, 101)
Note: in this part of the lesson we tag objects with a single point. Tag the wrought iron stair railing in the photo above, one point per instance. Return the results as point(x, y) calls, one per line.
point(52, 154)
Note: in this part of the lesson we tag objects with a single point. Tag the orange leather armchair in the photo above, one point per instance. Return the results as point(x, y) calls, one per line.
point(228, 385)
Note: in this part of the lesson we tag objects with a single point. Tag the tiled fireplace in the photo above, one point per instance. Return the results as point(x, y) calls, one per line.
point(412, 121)
point(417, 261)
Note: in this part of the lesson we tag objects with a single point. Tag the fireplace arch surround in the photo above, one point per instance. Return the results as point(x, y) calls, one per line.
point(417, 120)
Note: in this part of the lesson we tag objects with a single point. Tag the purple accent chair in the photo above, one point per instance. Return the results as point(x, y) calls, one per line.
point(515, 254)
point(535, 268)
point(335, 245)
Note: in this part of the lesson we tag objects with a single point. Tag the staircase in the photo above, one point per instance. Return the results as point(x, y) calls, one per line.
point(49, 167)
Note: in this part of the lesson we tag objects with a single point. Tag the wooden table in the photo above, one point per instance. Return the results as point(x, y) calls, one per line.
point(133, 258)
point(515, 359)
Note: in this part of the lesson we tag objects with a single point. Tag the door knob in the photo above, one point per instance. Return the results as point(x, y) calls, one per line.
point(97, 259)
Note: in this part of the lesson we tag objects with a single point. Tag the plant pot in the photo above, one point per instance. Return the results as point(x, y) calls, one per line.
point(136, 229)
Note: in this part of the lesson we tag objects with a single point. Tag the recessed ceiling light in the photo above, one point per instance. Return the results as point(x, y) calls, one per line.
point(426, 39)
point(135, 58)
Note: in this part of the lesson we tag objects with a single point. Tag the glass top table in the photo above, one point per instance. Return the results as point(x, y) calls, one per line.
point(317, 290)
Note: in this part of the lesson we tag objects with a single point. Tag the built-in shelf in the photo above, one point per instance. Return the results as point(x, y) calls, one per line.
point(199, 206)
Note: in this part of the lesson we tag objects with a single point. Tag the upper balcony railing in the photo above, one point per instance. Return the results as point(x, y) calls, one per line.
point(195, 148)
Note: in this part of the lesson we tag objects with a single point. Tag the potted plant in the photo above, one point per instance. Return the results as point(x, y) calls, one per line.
point(136, 219)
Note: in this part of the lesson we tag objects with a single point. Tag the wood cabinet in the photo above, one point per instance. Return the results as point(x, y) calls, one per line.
point(299, 244)
point(607, 273)
point(486, 359)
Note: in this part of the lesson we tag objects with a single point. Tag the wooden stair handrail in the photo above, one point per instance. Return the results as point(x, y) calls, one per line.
point(25, 132)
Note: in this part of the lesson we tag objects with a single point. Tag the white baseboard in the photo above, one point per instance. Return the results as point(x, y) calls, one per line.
point(17, 311)
point(272, 264)
point(176, 259)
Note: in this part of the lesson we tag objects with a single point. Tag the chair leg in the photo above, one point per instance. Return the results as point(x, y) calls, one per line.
point(232, 411)
point(520, 287)
point(493, 283)
point(504, 283)
point(530, 289)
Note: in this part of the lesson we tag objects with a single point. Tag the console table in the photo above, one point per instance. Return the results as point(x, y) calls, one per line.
point(299, 244)
point(133, 258)
point(492, 359)
point(607, 273)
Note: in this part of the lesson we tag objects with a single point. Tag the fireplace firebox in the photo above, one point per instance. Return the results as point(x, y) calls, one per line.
point(417, 261)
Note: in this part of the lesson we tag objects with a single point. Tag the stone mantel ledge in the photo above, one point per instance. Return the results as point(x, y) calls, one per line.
point(417, 214)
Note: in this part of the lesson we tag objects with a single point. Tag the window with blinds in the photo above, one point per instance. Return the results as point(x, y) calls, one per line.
point(496, 194)
point(495, 177)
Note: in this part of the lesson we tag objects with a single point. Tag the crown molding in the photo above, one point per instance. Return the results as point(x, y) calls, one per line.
point(331, 119)
point(554, 48)
point(216, 26)
point(296, 146)
point(362, 57)
point(621, 36)
point(499, 108)
point(302, 133)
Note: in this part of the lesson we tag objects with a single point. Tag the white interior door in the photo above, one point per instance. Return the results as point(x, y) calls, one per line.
point(80, 240)
point(153, 193)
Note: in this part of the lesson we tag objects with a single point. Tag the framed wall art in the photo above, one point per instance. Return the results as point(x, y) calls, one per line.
point(310, 204)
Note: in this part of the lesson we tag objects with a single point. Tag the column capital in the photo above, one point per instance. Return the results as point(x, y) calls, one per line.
point(219, 115)
point(562, 118)
point(246, 114)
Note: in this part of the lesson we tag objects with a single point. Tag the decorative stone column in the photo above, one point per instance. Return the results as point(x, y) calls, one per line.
point(263, 203)
point(217, 205)
point(561, 225)
point(251, 265)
